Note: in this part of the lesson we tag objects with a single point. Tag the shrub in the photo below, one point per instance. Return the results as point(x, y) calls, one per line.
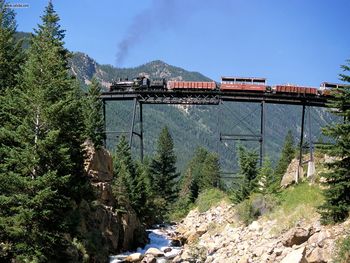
point(257, 205)
point(209, 198)
point(343, 250)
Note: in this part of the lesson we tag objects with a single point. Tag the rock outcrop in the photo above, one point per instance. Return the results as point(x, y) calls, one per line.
point(113, 231)
point(213, 237)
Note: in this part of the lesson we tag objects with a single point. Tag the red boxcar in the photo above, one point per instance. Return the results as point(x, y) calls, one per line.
point(295, 89)
point(191, 85)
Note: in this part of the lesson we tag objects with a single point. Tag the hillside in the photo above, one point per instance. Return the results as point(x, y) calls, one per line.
point(194, 126)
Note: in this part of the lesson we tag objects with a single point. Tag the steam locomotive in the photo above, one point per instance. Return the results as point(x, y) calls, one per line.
point(228, 84)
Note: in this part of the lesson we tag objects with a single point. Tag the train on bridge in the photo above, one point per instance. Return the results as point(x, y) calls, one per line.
point(228, 84)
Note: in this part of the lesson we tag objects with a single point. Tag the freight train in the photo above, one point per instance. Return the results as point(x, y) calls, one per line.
point(228, 84)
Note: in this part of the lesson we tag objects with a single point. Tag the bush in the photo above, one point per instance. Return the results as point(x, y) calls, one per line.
point(209, 198)
point(257, 205)
point(180, 210)
point(343, 251)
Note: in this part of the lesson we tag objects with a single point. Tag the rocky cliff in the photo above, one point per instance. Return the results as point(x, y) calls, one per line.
point(108, 230)
point(216, 236)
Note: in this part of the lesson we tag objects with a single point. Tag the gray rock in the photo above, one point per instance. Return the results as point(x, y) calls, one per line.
point(296, 256)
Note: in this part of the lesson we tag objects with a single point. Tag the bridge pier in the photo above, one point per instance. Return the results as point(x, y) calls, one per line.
point(132, 132)
point(104, 123)
point(300, 168)
point(262, 132)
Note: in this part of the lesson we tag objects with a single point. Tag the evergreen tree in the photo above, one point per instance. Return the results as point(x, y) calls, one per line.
point(267, 181)
point(11, 54)
point(248, 171)
point(124, 169)
point(144, 194)
point(287, 155)
point(94, 122)
point(337, 193)
point(203, 172)
point(211, 172)
point(163, 169)
point(42, 166)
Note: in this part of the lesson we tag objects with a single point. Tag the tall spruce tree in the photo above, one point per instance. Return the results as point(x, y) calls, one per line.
point(248, 171)
point(268, 183)
point(337, 193)
point(163, 169)
point(124, 170)
point(203, 172)
point(11, 54)
point(94, 123)
point(42, 168)
point(287, 155)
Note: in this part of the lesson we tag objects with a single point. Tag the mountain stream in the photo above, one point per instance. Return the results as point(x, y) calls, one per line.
point(160, 238)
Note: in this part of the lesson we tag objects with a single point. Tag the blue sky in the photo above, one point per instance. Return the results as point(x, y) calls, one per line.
point(286, 41)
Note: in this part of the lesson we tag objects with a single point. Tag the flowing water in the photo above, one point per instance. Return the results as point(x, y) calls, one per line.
point(160, 238)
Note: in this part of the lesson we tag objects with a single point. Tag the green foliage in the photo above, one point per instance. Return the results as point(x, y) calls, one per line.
point(256, 205)
point(93, 115)
point(343, 250)
point(248, 171)
point(295, 204)
point(41, 171)
point(203, 172)
point(11, 54)
point(267, 181)
point(337, 192)
point(302, 193)
point(123, 185)
point(163, 170)
point(208, 198)
point(287, 155)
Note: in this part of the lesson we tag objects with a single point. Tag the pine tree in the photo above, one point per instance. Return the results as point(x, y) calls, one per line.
point(163, 169)
point(211, 172)
point(287, 155)
point(43, 166)
point(11, 54)
point(337, 193)
point(93, 107)
point(248, 171)
point(124, 169)
point(267, 181)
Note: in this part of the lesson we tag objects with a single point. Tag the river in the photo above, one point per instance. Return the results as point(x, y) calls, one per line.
point(160, 238)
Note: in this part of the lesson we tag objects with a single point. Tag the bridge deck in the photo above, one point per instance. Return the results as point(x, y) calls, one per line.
point(213, 97)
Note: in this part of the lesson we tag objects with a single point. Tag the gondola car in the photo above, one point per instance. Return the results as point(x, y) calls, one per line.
point(243, 84)
point(293, 89)
point(191, 85)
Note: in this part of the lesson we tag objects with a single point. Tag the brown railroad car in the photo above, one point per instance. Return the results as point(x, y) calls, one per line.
point(295, 89)
point(191, 85)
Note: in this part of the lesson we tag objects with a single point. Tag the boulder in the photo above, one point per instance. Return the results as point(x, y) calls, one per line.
point(155, 252)
point(319, 255)
point(290, 175)
point(296, 256)
point(297, 236)
point(149, 259)
point(134, 257)
point(98, 163)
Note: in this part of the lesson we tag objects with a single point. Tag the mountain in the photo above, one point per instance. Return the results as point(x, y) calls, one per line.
point(84, 68)
point(193, 126)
